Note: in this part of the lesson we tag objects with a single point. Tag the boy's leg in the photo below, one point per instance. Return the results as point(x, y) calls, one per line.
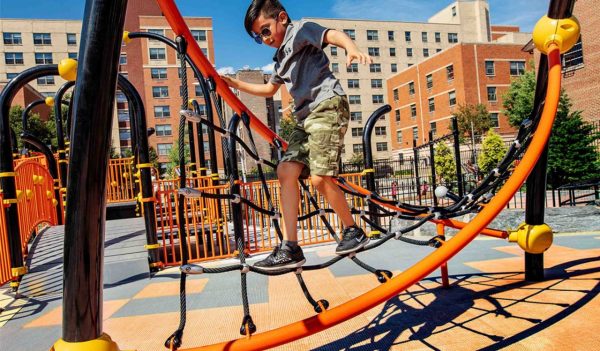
point(288, 174)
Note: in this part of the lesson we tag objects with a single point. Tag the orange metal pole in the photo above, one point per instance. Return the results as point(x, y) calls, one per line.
point(444, 267)
point(428, 264)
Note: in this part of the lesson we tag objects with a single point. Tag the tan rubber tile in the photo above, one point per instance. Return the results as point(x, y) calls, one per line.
point(194, 286)
point(54, 317)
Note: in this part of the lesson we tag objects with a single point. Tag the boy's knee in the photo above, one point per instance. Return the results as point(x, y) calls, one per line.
point(287, 172)
point(318, 181)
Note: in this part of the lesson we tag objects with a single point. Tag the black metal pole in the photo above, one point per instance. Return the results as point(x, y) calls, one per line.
point(432, 166)
point(60, 135)
point(459, 175)
point(85, 224)
point(25, 114)
point(200, 133)
point(138, 122)
point(7, 172)
point(417, 178)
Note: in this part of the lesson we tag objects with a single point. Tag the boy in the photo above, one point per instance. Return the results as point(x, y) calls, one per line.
point(321, 112)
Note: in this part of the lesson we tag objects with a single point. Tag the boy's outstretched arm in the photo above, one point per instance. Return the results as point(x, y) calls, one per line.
point(340, 39)
point(264, 90)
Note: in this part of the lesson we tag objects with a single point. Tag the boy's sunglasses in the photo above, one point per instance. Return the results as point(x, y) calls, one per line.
point(264, 33)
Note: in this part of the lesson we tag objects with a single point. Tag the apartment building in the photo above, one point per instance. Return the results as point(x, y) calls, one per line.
point(26, 43)
point(425, 97)
point(394, 47)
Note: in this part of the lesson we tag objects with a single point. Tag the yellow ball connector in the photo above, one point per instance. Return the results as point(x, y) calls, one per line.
point(534, 239)
point(562, 32)
point(49, 101)
point(67, 69)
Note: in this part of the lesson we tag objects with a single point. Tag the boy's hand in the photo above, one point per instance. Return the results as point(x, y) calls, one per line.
point(358, 56)
point(232, 82)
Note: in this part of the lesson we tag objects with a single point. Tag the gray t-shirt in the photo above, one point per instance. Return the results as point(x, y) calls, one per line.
point(303, 67)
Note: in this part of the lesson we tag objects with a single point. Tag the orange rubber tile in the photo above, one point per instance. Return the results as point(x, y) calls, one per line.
point(54, 317)
point(194, 286)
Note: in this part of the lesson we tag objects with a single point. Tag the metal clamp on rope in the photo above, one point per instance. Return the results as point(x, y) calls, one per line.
point(190, 116)
point(368, 170)
point(496, 172)
point(191, 269)
point(322, 212)
point(298, 271)
point(245, 268)
point(260, 161)
point(398, 235)
point(236, 199)
point(152, 246)
point(363, 212)
point(276, 216)
point(430, 210)
point(189, 193)
point(398, 214)
point(368, 197)
point(470, 197)
point(517, 144)
point(437, 215)
point(8, 174)
point(488, 196)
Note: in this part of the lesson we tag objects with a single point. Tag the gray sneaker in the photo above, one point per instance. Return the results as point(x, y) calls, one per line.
point(353, 239)
point(281, 259)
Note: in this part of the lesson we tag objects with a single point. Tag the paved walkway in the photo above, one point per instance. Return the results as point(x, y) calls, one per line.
point(488, 306)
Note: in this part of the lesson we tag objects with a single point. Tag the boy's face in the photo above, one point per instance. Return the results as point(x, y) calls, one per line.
point(271, 30)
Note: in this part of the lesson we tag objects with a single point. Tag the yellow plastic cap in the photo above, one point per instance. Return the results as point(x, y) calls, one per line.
point(534, 239)
point(126, 38)
point(564, 33)
point(49, 101)
point(67, 69)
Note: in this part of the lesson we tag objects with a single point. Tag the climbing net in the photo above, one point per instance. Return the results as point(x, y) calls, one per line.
point(379, 206)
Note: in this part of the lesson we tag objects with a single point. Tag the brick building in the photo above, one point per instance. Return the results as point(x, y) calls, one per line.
point(425, 96)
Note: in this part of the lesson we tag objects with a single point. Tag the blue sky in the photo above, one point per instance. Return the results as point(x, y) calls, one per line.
point(233, 47)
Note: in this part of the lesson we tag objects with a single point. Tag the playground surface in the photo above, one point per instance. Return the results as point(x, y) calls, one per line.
point(488, 305)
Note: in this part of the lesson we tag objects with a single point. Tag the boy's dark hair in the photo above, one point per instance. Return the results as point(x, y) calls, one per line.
point(269, 8)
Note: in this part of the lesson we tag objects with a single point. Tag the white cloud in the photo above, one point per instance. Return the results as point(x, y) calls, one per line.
point(226, 70)
point(268, 68)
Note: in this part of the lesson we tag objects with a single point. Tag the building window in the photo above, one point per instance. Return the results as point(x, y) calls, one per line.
point(491, 94)
point(453, 37)
point(399, 136)
point(123, 59)
point(121, 98)
point(197, 89)
point(353, 83)
point(375, 68)
point(163, 149)
point(356, 116)
point(157, 54)
point(158, 73)
point(394, 67)
point(433, 128)
point(123, 115)
point(381, 146)
point(48, 94)
point(411, 88)
point(397, 112)
point(380, 131)
point(438, 37)
point(490, 68)
point(452, 98)
point(199, 35)
point(354, 99)
point(124, 134)
point(160, 32)
point(42, 58)
point(47, 80)
point(72, 55)
point(160, 92)
point(395, 92)
point(495, 120)
point(376, 83)
point(431, 104)
point(353, 68)
point(407, 37)
point(415, 133)
point(424, 36)
point(357, 148)
point(351, 33)
point(393, 52)
point(42, 39)
point(372, 34)
point(334, 51)
point(450, 72)
point(335, 67)
point(413, 111)
point(357, 132)
point(573, 59)
point(517, 68)
point(10, 76)
point(425, 52)
point(429, 80)
point(378, 99)
point(373, 52)
point(12, 39)
point(13, 58)
point(453, 11)
point(390, 35)
point(162, 111)
point(71, 39)
point(163, 130)
point(409, 52)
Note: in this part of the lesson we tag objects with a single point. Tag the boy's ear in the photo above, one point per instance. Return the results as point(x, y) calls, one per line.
point(283, 17)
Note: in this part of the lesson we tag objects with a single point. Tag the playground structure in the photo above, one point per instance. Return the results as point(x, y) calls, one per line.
point(83, 242)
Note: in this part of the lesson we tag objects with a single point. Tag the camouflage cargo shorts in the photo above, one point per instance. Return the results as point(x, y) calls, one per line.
point(317, 141)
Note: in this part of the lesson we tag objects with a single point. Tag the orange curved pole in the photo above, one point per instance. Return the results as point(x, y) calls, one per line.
point(428, 264)
point(179, 27)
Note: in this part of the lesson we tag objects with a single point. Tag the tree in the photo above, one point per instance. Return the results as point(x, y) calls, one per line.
point(286, 127)
point(174, 158)
point(153, 157)
point(473, 121)
point(445, 165)
point(571, 155)
point(492, 152)
point(35, 126)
